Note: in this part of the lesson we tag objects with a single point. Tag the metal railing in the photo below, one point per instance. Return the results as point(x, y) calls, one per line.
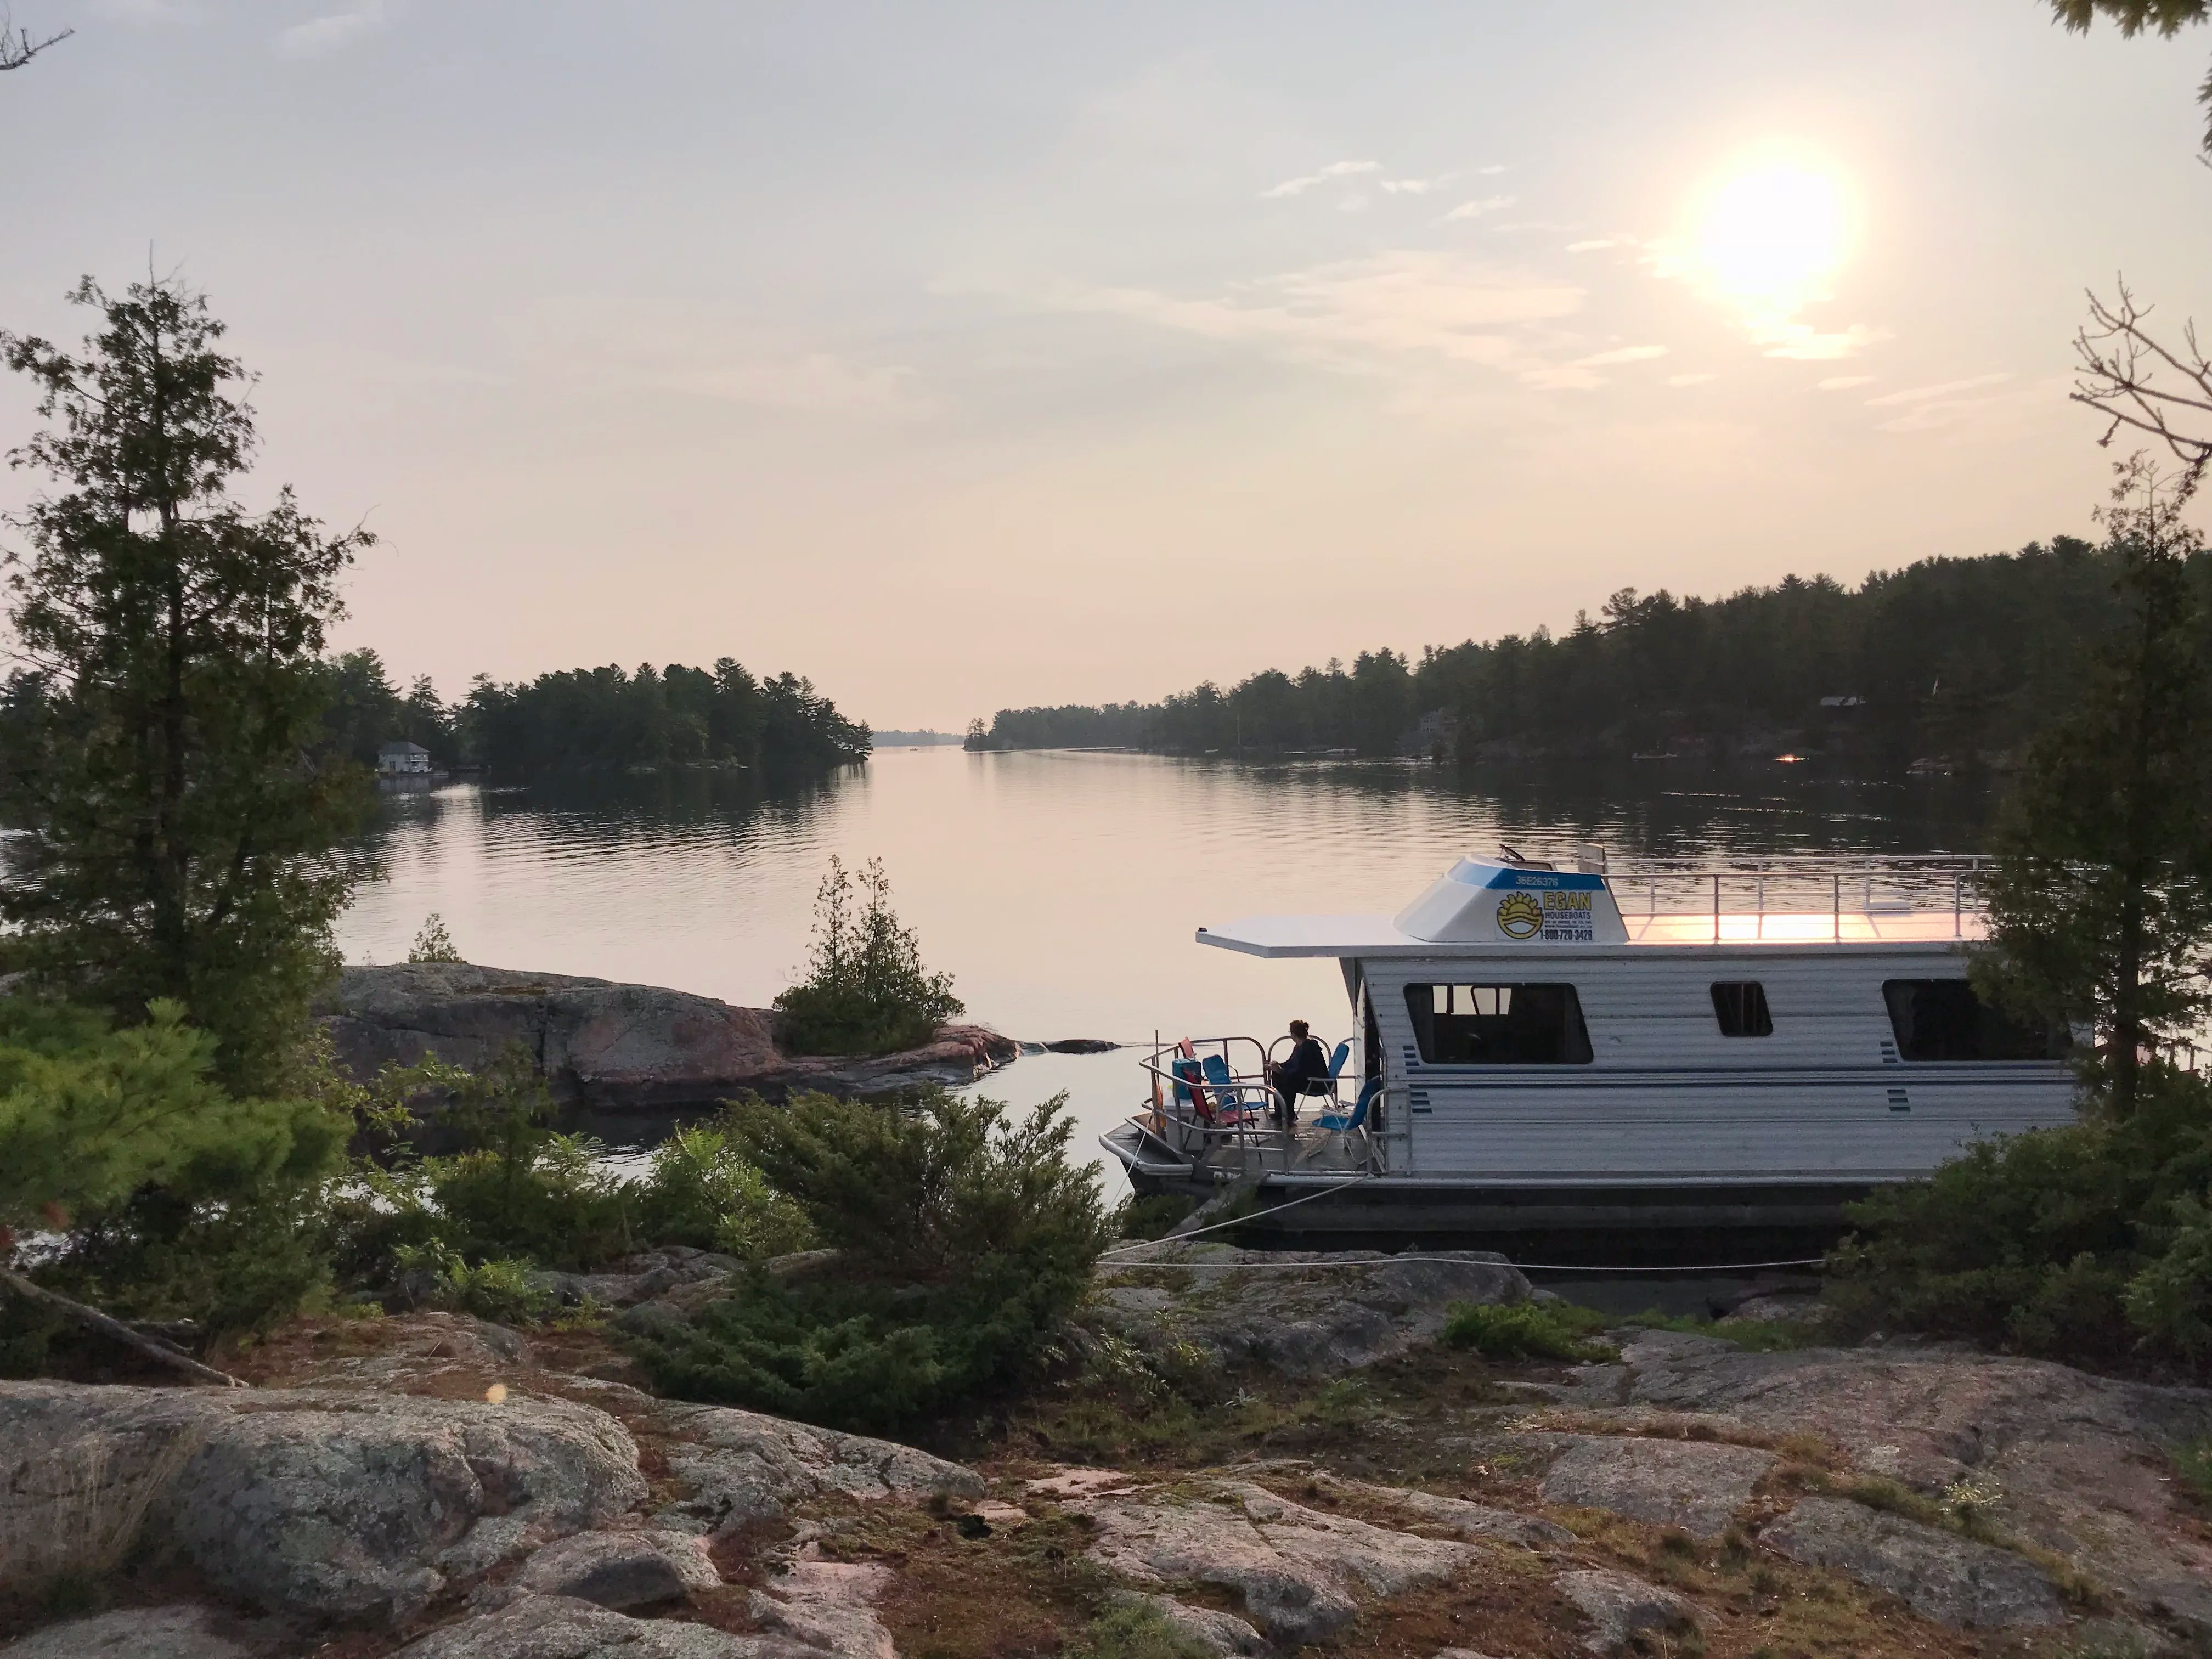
point(1854, 886)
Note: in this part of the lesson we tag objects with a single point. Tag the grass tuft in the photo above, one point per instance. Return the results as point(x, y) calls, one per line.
point(1525, 1330)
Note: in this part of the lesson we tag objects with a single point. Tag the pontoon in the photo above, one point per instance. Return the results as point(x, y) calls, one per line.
point(1546, 1050)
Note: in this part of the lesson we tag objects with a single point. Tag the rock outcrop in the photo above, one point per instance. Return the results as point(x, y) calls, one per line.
point(344, 1505)
point(1696, 1485)
point(1300, 1572)
point(607, 1047)
point(1951, 1579)
point(738, 1466)
point(2075, 1461)
point(1301, 1313)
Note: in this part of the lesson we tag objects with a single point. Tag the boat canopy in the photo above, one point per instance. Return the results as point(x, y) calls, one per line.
point(1502, 902)
point(1476, 901)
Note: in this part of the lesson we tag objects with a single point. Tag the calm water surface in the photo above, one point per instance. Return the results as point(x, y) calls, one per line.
point(1061, 890)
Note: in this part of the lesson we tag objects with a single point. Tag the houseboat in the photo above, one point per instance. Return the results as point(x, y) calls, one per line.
point(1541, 1050)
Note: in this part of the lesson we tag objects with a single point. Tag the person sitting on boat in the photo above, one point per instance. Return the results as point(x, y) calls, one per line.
point(1308, 1063)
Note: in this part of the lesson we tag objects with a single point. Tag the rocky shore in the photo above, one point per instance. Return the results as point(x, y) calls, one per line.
point(435, 1487)
point(608, 1048)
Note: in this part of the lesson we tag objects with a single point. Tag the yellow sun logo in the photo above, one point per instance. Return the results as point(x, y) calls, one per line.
point(1519, 915)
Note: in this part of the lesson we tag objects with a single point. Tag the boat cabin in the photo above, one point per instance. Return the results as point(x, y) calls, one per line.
point(1535, 1047)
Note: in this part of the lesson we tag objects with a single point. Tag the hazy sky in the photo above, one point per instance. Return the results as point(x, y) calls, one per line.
point(960, 355)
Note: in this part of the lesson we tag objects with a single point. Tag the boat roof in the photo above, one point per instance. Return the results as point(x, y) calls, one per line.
point(1370, 936)
point(1512, 904)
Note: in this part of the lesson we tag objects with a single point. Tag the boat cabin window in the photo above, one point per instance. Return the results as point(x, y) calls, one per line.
point(1499, 1024)
point(1943, 1020)
point(1740, 1007)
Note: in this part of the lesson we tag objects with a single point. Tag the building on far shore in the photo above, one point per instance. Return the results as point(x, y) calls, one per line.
point(400, 760)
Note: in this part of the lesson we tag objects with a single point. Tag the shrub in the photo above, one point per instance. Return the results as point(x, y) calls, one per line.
point(554, 1203)
point(2085, 1242)
point(1524, 1330)
point(169, 1198)
point(517, 1187)
point(965, 1239)
point(433, 943)
point(498, 1290)
point(702, 1191)
point(866, 990)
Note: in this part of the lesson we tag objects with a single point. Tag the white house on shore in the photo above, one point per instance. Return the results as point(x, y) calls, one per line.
point(399, 760)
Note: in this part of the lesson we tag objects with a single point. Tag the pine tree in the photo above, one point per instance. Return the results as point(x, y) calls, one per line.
point(183, 808)
point(2100, 908)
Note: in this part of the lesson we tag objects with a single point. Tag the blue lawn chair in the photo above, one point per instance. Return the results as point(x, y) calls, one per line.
point(1229, 1105)
point(1346, 1124)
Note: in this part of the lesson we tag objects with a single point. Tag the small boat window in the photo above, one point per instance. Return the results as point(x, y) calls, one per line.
point(1740, 1007)
point(1943, 1020)
point(1499, 1024)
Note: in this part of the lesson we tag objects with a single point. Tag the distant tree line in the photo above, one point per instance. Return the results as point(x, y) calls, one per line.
point(599, 718)
point(1960, 659)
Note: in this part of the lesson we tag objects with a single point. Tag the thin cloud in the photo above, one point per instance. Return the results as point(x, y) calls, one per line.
point(1354, 203)
point(1475, 209)
point(1691, 379)
point(1334, 170)
point(1491, 172)
point(1921, 394)
point(1592, 245)
point(1409, 186)
point(1802, 343)
point(1619, 355)
point(1844, 382)
point(320, 37)
point(1375, 315)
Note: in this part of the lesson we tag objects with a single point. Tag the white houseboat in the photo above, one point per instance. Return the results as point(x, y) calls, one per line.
point(1544, 1050)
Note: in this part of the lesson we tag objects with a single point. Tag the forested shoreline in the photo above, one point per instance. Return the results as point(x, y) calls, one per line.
point(1960, 660)
point(599, 718)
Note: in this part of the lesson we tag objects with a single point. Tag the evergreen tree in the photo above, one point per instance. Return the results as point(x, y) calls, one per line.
point(2101, 909)
point(175, 778)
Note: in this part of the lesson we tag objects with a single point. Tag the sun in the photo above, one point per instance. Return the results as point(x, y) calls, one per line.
point(1773, 236)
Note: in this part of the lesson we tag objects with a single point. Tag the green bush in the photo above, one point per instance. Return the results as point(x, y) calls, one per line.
point(1524, 1330)
point(169, 1198)
point(965, 1239)
point(2087, 1243)
point(703, 1192)
point(866, 990)
point(556, 1204)
point(498, 1290)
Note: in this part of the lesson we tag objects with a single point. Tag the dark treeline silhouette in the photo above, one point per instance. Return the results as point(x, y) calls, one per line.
point(1956, 659)
point(599, 718)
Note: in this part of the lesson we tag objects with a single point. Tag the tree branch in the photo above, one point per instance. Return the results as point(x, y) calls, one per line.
point(17, 48)
point(93, 1320)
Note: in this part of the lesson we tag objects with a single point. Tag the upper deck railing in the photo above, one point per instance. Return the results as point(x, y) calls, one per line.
point(1849, 896)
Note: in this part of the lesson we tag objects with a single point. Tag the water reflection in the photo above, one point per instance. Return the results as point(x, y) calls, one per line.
point(1061, 890)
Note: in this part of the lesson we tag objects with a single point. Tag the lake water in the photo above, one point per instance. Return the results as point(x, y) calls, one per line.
point(1061, 890)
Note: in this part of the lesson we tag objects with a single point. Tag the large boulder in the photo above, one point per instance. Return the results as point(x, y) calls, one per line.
point(604, 1046)
point(1303, 1313)
point(736, 1466)
point(625, 1568)
point(334, 1505)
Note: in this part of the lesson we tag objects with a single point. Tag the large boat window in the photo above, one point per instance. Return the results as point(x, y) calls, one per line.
point(1943, 1020)
point(1740, 1007)
point(1499, 1024)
